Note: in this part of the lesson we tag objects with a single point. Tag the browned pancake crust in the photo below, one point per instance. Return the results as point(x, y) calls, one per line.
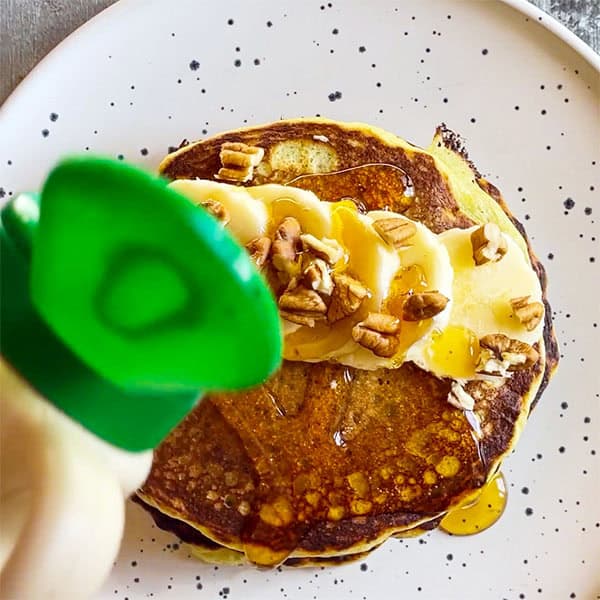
point(378, 449)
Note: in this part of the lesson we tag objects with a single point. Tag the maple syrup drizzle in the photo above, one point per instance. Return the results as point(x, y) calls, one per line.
point(378, 186)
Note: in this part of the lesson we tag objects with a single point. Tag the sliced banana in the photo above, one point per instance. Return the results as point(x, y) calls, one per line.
point(248, 218)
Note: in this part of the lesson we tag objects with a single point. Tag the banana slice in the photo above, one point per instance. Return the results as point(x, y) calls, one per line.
point(283, 201)
point(248, 218)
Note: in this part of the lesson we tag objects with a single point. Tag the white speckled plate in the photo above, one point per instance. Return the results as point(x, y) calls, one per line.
point(145, 74)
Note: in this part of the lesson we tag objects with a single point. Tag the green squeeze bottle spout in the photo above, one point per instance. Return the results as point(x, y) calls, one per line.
point(121, 302)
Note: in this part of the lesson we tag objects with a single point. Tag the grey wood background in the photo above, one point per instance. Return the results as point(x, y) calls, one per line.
point(29, 29)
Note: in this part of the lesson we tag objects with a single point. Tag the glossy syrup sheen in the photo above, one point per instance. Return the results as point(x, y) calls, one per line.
point(379, 186)
point(481, 514)
point(409, 280)
point(454, 352)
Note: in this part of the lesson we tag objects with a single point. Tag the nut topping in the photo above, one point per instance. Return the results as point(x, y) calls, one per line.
point(376, 333)
point(395, 231)
point(286, 244)
point(238, 161)
point(488, 244)
point(529, 313)
point(217, 210)
point(423, 306)
point(259, 248)
point(382, 323)
point(459, 397)
point(347, 296)
point(328, 250)
point(317, 277)
point(306, 319)
point(499, 355)
point(303, 306)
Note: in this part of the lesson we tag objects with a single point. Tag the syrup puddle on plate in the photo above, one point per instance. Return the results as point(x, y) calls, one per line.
point(479, 515)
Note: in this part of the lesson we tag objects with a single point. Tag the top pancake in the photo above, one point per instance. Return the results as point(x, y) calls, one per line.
point(324, 459)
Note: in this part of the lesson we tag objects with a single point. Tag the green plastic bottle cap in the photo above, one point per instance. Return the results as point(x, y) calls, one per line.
point(134, 301)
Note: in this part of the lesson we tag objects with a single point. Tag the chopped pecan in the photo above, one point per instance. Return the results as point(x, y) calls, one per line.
point(286, 244)
point(217, 210)
point(423, 306)
point(499, 355)
point(328, 250)
point(459, 397)
point(382, 323)
point(316, 277)
point(346, 298)
point(306, 319)
point(488, 244)
point(395, 231)
point(259, 248)
point(238, 161)
point(376, 333)
point(529, 313)
point(303, 306)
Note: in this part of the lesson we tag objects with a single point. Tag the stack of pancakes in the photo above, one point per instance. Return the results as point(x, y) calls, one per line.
point(324, 462)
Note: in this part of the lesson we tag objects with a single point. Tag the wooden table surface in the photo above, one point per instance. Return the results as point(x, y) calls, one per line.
point(29, 29)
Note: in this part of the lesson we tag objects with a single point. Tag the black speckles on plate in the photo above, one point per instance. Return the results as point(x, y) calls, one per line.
point(394, 98)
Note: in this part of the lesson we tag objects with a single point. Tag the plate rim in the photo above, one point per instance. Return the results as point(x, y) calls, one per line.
point(525, 7)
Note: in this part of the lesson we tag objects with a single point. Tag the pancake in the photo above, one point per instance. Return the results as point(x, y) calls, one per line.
point(324, 462)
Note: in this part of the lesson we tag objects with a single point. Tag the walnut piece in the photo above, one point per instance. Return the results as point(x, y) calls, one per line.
point(303, 306)
point(395, 231)
point(529, 313)
point(378, 333)
point(346, 298)
point(423, 306)
point(328, 250)
point(286, 244)
point(259, 248)
point(499, 355)
point(238, 161)
point(459, 397)
point(316, 277)
point(488, 244)
point(217, 210)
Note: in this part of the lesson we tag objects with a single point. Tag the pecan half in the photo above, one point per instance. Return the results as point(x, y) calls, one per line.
point(499, 355)
point(238, 161)
point(259, 248)
point(303, 306)
point(328, 250)
point(316, 277)
point(529, 313)
point(346, 298)
point(286, 244)
point(395, 231)
point(488, 244)
point(378, 333)
point(382, 323)
point(459, 397)
point(217, 210)
point(424, 305)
